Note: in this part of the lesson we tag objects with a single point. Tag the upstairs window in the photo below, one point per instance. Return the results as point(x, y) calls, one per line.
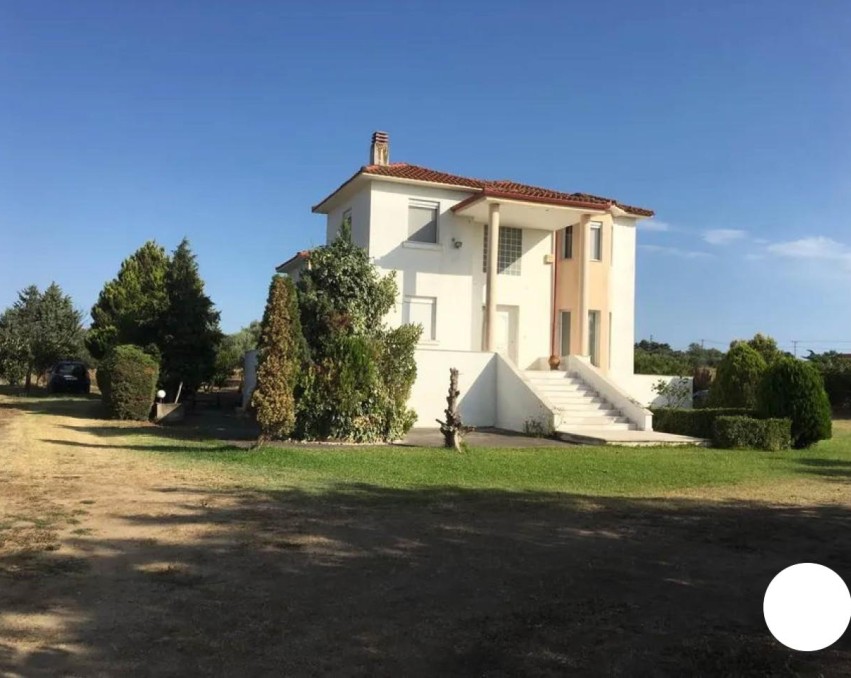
point(347, 217)
point(422, 311)
point(422, 221)
point(509, 252)
point(567, 243)
point(596, 241)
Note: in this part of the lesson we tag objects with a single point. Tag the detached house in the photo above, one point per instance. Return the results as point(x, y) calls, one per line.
point(508, 281)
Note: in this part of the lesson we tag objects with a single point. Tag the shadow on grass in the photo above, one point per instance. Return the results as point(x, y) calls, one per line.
point(364, 580)
point(836, 469)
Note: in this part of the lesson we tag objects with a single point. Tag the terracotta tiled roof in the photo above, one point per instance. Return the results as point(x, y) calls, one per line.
point(501, 188)
point(303, 254)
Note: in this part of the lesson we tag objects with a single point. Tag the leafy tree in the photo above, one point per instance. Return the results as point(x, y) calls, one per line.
point(281, 359)
point(188, 327)
point(737, 378)
point(764, 345)
point(232, 349)
point(130, 308)
point(698, 356)
point(37, 331)
point(793, 389)
point(14, 348)
point(360, 374)
point(835, 369)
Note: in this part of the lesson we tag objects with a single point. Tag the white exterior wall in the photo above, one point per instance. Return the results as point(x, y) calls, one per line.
point(476, 382)
point(454, 276)
point(622, 302)
point(359, 205)
point(640, 387)
point(517, 404)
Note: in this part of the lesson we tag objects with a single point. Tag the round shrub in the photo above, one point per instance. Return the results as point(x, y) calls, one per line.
point(130, 377)
point(737, 378)
point(794, 389)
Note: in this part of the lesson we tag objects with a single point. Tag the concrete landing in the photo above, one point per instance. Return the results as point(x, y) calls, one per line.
point(628, 438)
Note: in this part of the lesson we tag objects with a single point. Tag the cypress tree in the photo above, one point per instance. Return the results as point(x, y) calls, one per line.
point(281, 357)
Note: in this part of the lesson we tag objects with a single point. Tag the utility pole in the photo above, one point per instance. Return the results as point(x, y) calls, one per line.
point(795, 347)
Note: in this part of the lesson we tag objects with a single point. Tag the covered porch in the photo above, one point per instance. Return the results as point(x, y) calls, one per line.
point(577, 314)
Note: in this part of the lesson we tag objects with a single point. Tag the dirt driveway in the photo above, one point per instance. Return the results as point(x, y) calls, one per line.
point(116, 563)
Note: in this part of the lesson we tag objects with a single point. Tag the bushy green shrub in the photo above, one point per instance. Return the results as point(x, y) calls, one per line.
point(794, 389)
point(130, 381)
point(737, 378)
point(696, 423)
point(361, 373)
point(732, 432)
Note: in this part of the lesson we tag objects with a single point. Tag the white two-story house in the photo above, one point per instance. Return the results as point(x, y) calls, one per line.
point(508, 281)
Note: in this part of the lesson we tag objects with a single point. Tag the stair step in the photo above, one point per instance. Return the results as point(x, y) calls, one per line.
point(579, 428)
point(602, 422)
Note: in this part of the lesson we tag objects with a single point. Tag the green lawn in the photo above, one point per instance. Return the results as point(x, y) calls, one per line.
point(578, 470)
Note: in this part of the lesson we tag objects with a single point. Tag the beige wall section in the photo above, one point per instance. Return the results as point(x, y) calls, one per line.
point(569, 291)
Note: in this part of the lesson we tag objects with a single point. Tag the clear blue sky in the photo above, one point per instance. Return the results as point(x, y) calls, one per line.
point(226, 121)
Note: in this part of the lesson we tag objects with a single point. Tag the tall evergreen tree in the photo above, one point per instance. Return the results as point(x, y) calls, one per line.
point(281, 357)
point(37, 331)
point(130, 307)
point(189, 327)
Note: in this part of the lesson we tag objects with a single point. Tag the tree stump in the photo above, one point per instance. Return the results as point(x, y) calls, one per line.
point(452, 429)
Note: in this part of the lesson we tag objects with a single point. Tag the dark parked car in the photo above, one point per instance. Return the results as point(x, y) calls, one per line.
point(69, 376)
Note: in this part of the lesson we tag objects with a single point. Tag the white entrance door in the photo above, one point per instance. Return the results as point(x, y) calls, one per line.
point(506, 332)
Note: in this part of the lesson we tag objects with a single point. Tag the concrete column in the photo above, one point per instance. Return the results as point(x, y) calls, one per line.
point(584, 258)
point(490, 289)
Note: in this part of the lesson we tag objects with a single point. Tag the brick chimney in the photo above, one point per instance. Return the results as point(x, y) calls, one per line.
point(379, 151)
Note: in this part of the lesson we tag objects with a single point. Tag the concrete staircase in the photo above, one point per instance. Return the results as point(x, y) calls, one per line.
point(578, 409)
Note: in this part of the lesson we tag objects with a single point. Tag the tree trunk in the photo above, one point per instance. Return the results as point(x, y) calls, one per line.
point(452, 429)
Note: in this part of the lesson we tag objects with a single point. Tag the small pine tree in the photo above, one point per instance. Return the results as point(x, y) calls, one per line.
point(281, 356)
point(737, 378)
point(794, 389)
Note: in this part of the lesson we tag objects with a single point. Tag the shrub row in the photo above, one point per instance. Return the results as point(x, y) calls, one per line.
point(696, 423)
point(732, 432)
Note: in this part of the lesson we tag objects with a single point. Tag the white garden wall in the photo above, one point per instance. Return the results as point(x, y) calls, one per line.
point(640, 388)
point(476, 382)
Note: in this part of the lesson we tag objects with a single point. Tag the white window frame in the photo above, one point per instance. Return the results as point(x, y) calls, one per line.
point(595, 242)
point(430, 205)
point(422, 300)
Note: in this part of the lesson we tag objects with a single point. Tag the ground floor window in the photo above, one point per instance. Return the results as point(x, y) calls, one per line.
point(423, 311)
point(594, 337)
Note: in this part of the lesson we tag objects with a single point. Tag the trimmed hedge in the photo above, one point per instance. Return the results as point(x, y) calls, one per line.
point(697, 423)
point(130, 380)
point(736, 432)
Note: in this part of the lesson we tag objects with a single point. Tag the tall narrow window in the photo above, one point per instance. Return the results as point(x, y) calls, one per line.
point(421, 310)
point(610, 340)
point(347, 217)
point(564, 329)
point(567, 243)
point(509, 252)
point(594, 337)
point(422, 221)
point(596, 241)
